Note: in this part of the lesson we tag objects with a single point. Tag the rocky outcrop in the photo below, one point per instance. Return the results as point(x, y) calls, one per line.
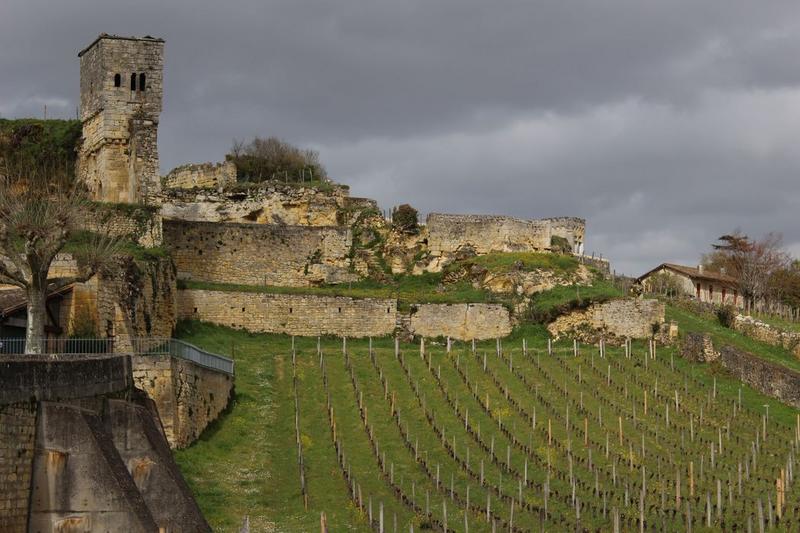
point(612, 321)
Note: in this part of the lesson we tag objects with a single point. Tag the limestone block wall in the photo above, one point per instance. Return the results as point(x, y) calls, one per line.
point(292, 314)
point(613, 320)
point(270, 203)
point(17, 432)
point(485, 234)
point(118, 157)
point(201, 176)
point(460, 321)
point(139, 299)
point(188, 396)
point(140, 223)
point(756, 329)
point(256, 254)
point(769, 378)
point(448, 234)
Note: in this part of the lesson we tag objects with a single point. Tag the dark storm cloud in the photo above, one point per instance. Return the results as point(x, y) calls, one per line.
point(663, 123)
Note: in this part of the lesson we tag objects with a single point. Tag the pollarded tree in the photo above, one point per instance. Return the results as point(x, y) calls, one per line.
point(41, 208)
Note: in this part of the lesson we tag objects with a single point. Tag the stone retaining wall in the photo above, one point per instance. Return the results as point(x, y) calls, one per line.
point(260, 254)
point(613, 320)
point(292, 314)
point(767, 333)
point(460, 321)
point(188, 396)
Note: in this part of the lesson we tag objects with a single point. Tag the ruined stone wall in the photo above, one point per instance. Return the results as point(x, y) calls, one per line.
point(483, 234)
point(761, 331)
point(138, 300)
point(138, 223)
point(254, 254)
point(270, 203)
point(17, 432)
point(201, 176)
point(460, 321)
point(188, 396)
point(768, 378)
point(118, 157)
point(292, 314)
point(612, 321)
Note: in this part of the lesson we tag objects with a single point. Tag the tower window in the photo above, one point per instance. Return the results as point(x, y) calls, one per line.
point(133, 82)
point(117, 80)
point(142, 81)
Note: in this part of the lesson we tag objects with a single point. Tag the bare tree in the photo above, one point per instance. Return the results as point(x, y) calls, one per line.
point(752, 262)
point(41, 207)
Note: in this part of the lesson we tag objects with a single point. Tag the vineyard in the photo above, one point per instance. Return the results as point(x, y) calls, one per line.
point(512, 435)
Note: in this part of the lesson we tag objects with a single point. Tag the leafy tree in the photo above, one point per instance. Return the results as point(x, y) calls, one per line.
point(41, 206)
point(406, 219)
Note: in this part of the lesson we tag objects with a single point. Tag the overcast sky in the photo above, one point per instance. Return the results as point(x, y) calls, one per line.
point(663, 123)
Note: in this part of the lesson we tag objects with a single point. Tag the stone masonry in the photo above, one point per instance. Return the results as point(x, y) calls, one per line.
point(613, 320)
point(292, 314)
point(188, 396)
point(256, 254)
point(460, 321)
point(121, 93)
point(201, 176)
point(448, 234)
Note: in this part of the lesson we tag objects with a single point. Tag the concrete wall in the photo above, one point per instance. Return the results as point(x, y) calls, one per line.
point(82, 450)
point(613, 320)
point(17, 432)
point(460, 321)
point(201, 176)
point(62, 377)
point(188, 396)
point(257, 254)
point(292, 314)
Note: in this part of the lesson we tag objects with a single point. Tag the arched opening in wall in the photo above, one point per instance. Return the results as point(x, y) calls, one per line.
point(142, 81)
point(340, 309)
point(290, 310)
point(117, 80)
point(133, 82)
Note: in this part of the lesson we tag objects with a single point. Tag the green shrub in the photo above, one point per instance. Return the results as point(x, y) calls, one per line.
point(405, 218)
point(275, 159)
point(725, 315)
point(560, 245)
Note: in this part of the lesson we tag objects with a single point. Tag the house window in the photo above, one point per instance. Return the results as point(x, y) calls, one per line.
point(142, 81)
point(724, 291)
point(710, 293)
point(133, 82)
point(117, 80)
point(698, 291)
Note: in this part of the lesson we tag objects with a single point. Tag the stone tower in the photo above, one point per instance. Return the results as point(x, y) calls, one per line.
point(121, 92)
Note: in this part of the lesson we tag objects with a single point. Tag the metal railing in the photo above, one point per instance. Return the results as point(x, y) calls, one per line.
point(136, 346)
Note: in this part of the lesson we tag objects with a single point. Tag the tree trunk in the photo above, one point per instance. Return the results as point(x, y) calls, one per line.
point(37, 318)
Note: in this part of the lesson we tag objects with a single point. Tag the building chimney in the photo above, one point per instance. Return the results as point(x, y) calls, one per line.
point(700, 268)
point(723, 271)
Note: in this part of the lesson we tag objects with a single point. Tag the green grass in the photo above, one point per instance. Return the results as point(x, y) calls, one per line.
point(38, 140)
point(245, 464)
point(425, 288)
point(526, 261)
point(688, 321)
point(547, 305)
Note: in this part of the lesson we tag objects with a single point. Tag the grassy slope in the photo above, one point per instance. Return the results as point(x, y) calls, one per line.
point(246, 462)
point(688, 321)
